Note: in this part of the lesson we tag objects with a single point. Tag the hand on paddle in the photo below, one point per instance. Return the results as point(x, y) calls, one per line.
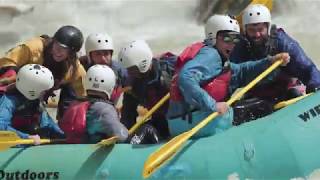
point(142, 111)
point(222, 107)
point(10, 139)
point(284, 56)
point(36, 139)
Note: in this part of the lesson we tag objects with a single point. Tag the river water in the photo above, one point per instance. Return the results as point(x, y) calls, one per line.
point(168, 25)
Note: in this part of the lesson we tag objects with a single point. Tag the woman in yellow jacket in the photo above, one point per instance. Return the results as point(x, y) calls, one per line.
point(57, 54)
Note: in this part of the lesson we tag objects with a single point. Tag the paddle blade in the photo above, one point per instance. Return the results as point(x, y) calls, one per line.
point(6, 145)
point(267, 3)
point(8, 136)
point(109, 141)
point(289, 102)
point(164, 154)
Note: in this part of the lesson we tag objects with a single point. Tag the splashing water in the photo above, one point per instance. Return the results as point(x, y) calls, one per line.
point(168, 25)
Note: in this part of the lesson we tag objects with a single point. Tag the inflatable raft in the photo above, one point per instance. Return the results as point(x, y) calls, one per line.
point(283, 145)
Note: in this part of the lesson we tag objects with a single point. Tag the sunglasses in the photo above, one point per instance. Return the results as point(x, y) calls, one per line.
point(230, 38)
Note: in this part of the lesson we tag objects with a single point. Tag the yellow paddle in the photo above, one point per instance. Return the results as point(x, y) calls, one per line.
point(168, 150)
point(290, 101)
point(145, 118)
point(10, 138)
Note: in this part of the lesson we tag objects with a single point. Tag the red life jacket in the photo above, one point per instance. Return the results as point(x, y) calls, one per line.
point(217, 88)
point(73, 122)
point(7, 74)
point(116, 93)
point(21, 122)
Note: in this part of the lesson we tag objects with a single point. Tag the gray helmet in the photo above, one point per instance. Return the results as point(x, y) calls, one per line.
point(70, 37)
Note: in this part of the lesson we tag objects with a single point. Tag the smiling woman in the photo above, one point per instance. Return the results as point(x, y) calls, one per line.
point(58, 55)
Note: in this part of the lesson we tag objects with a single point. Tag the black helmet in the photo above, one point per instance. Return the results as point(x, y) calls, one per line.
point(69, 36)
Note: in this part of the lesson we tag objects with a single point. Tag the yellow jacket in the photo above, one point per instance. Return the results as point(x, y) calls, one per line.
point(31, 52)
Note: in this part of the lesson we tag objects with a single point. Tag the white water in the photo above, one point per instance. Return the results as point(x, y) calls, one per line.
point(301, 20)
point(166, 24)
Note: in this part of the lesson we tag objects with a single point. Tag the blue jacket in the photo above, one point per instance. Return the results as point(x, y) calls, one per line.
point(8, 104)
point(300, 66)
point(205, 66)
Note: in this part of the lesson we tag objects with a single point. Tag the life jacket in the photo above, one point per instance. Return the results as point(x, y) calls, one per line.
point(73, 122)
point(26, 123)
point(27, 117)
point(217, 88)
point(116, 93)
point(6, 74)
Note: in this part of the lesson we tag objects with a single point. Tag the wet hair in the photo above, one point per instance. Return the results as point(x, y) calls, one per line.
point(59, 69)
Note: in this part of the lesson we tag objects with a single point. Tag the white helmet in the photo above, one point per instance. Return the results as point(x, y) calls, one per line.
point(100, 78)
point(218, 23)
point(256, 13)
point(98, 41)
point(33, 79)
point(136, 53)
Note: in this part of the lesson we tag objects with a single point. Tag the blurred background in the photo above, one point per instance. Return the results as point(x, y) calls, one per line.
point(168, 25)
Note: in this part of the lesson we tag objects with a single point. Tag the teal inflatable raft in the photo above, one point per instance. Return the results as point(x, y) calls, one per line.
point(283, 145)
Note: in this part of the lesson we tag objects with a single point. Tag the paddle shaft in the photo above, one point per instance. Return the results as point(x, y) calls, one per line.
point(149, 113)
point(6, 144)
point(236, 96)
point(24, 141)
point(168, 150)
point(114, 139)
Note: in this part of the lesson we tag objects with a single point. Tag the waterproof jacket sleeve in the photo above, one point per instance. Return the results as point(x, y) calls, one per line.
point(244, 73)
point(300, 66)
point(7, 109)
point(205, 66)
point(25, 53)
